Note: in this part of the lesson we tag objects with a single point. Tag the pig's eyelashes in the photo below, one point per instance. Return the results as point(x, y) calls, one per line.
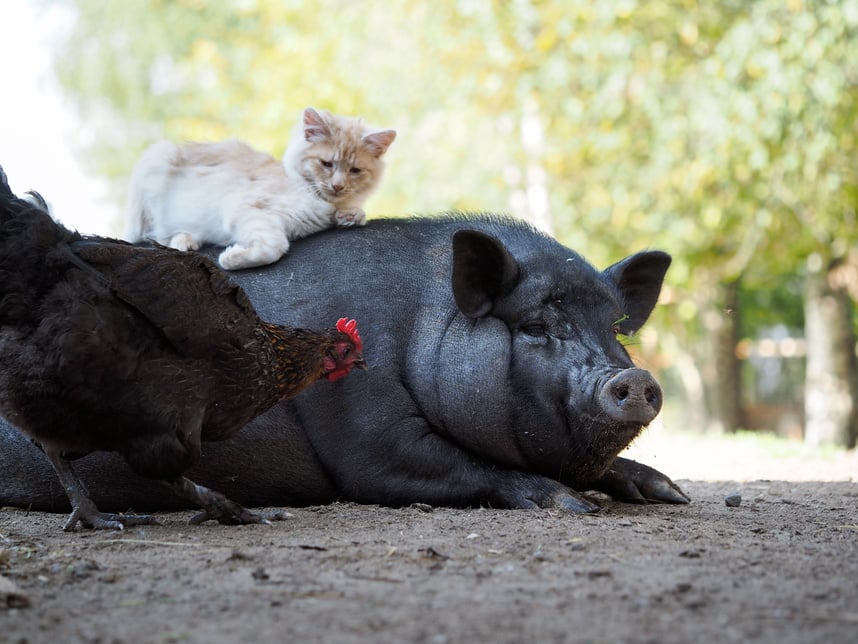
point(534, 330)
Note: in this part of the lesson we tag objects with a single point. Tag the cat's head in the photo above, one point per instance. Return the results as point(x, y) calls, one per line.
point(338, 156)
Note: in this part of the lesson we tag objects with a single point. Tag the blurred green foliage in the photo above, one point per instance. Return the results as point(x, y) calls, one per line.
point(724, 132)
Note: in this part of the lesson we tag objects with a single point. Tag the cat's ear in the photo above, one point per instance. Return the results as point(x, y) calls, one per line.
point(378, 142)
point(315, 127)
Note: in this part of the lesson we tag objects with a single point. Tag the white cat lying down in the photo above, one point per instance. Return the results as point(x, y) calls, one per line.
point(229, 194)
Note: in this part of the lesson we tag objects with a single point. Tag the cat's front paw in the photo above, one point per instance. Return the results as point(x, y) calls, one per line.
point(183, 242)
point(350, 217)
point(234, 258)
point(237, 256)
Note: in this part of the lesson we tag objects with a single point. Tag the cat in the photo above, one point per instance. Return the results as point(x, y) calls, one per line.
point(229, 194)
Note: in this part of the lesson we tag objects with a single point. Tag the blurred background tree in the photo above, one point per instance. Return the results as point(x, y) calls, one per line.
point(723, 132)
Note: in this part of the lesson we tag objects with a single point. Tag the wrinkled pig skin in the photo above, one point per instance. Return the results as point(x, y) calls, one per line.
point(495, 378)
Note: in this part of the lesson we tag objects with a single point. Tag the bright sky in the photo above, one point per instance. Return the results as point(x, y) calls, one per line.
point(35, 128)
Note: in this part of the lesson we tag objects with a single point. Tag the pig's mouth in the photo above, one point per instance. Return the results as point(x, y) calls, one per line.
point(602, 434)
point(595, 442)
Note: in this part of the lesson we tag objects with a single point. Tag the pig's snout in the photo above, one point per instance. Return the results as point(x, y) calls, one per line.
point(632, 396)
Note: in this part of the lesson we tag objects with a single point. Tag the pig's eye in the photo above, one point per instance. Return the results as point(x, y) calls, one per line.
point(617, 323)
point(534, 330)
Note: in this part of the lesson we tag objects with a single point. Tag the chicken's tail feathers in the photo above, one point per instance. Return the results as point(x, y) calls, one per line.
point(5, 190)
point(30, 263)
point(7, 197)
point(11, 205)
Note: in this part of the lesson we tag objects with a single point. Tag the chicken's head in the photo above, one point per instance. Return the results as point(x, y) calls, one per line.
point(346, 352)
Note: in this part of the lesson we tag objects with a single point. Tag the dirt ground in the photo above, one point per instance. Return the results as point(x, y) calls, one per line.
point(780, 567)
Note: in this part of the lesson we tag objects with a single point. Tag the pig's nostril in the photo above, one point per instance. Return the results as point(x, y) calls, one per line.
point(621, 393)
point(653, 396)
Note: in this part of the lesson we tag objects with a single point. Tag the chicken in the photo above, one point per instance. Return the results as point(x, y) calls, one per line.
point(142, 351)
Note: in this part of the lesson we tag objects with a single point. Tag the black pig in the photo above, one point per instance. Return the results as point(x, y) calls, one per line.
point(496, 378)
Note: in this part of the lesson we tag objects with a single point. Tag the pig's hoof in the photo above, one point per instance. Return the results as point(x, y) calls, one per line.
point(632, 482)
point(575, 504)
point(539, 492)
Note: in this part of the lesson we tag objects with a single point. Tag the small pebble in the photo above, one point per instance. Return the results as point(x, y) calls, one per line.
point(733, 500)
point(11, 596)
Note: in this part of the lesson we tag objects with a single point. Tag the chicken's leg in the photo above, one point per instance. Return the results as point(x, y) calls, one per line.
point(214, 504)
point(83, 508)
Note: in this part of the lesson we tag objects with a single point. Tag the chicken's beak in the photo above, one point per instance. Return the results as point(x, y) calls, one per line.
point(361, 364)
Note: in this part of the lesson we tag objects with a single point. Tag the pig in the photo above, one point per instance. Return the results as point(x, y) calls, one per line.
point(496, 378)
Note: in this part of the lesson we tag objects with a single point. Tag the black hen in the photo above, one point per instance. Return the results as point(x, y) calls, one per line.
point(142, 351)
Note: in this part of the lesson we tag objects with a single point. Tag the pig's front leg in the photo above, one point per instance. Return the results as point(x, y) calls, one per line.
point(633, 482)
point(416, 465)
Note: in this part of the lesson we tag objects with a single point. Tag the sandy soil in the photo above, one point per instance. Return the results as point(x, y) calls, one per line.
point(780, 567)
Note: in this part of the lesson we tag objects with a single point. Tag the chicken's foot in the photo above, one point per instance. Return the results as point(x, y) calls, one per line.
point(216, 507)
point(84, 510)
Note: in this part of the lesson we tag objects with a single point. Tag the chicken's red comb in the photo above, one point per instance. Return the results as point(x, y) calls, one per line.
point(349, 327)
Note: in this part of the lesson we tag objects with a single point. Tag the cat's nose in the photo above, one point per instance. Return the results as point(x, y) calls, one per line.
point(337, 188)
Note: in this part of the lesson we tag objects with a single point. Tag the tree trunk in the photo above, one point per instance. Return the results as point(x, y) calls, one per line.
point(831, 386)
point(722, 373)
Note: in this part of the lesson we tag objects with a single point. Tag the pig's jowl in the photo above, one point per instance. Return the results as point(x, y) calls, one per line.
point(495, 378)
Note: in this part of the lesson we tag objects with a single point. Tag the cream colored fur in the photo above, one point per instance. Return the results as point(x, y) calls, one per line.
point(228, 194)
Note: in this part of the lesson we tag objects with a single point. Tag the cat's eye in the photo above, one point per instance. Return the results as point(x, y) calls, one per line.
point(355, 170)
point(327, 164)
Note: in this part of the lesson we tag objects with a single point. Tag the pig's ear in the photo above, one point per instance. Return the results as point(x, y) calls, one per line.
point(483, 272)
point(639, 279)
